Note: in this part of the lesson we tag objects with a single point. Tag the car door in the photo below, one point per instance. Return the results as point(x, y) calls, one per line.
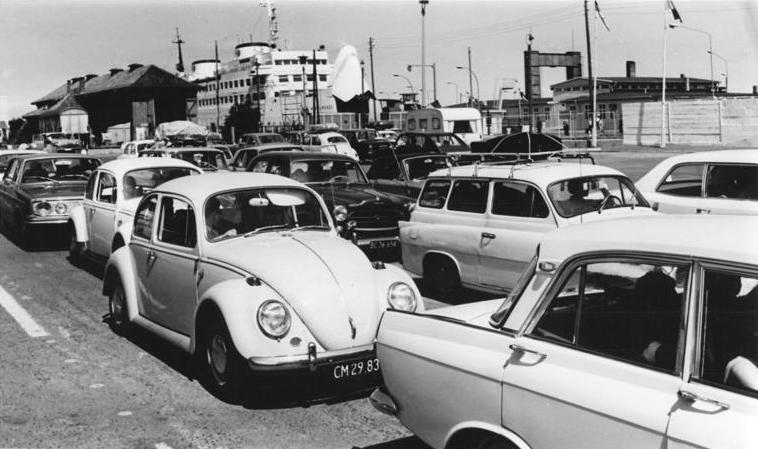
point(385, 175)
point(517, 219)
point(681, 190)
point(101, 214)
point(141, 246)
point(719, 401)
point(731, 189)
point(599, 363)
point(170, 277)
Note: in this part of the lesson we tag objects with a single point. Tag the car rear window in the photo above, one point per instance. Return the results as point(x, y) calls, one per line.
point(434, 194)
point(469, 196)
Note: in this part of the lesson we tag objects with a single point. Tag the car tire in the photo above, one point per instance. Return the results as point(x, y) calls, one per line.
point(493, 442)
point(26, 236)
point(75, 248)
point(118, 309)
point(441, 277)
point(221, 366)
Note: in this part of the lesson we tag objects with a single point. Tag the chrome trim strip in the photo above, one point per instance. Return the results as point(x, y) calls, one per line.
point(304, 360)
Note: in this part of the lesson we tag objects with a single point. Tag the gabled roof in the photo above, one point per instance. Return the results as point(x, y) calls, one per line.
point(144, 76)
point(67, 102)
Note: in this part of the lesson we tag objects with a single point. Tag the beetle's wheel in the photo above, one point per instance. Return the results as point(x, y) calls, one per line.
point(221, 364)
point(75, 248)
point(119, 316)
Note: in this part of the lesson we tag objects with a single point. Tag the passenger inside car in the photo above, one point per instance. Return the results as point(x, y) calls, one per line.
point(221, 221)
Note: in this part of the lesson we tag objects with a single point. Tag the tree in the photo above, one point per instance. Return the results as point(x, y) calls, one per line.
point(243, 117)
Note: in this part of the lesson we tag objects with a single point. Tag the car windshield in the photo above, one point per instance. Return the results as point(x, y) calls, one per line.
point(253, 211)
point(577, 196)
point(323, 170)
point(336, 139)
point(207, 160)
point(140, 182)
point(420, 167)
point(448, 142)
point(58, 169)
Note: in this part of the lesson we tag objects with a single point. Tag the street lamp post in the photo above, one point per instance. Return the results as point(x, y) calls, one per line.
point(410, 85)
point(434, 75)
point(710, 48)
point(361, 96)
point(726, 64)
point(423, 4)
point(476, 78)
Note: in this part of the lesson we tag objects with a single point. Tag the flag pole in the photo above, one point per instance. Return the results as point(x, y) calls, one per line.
point(663, 80)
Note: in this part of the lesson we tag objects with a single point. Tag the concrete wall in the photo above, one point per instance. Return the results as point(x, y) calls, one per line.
point(721, 121)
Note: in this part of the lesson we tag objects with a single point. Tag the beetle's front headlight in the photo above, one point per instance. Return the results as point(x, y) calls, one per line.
point(401, 297)
point(61, 208)
point(274, 319)
point(41, 208)
point(340, 213)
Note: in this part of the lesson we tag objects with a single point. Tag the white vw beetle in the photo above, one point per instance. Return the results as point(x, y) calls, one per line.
point(102, 223)
point(247, 272)
point(640, 332)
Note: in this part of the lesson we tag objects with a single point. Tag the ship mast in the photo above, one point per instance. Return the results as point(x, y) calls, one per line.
point(273, 25)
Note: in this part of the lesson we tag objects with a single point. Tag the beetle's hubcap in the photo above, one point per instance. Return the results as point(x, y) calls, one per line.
point(218, 355)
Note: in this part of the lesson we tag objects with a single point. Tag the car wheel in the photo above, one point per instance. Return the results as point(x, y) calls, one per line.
point(75, 248)
point(221, 364)
point(119, 311)
point(493, 442)
point(25, 236)
point(442, 278)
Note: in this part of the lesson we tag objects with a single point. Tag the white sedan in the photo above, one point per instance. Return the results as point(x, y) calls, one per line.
point(102, 223)
point(247, 272)
point(706, 182)
point(631, 333)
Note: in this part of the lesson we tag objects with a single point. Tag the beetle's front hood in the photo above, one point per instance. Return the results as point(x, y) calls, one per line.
point(53, 190)
point(326, 280)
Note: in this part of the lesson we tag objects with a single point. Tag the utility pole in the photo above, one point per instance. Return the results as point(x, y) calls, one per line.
point(529, 90)
point(470, 84)
point(316, 114)
point(179, 42)
point(373, 87)
point(593, 131)
point(423, 52)
point(257, 79)
point(218, 106)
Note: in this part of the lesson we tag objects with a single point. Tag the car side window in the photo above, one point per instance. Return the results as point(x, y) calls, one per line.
point(732, 181)
point(177, 223)
point(434, 194)
point(106, 188)
point(89, 191)
point(729, 331)
point(275, 167)
point(10, 174)
point(469, 196)
point(684, 180)
point(143, 218)
point(517, 199)
point(627, 310)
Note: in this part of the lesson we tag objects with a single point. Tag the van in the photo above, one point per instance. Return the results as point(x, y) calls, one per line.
point(465, 122)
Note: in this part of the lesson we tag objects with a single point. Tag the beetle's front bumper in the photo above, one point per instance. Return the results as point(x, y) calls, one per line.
point(319, 377)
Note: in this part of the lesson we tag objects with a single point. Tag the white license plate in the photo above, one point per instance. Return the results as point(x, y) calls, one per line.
point(383, 244)
point(348, 370)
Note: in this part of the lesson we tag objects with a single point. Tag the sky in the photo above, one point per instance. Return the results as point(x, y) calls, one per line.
point(45, 42)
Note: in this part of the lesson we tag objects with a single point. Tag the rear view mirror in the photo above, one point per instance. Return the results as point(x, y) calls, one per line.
point(258, 202)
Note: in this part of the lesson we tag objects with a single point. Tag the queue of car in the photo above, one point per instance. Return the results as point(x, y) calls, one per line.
point(621, 326)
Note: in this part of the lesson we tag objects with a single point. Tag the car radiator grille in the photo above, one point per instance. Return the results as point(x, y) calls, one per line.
point(371, 221)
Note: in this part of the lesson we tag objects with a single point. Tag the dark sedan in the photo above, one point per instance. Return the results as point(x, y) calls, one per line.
point(363, 214)
point(366, 143)
point(428, 142)
point(40, 190)
point(404, 173)
point(244, 155)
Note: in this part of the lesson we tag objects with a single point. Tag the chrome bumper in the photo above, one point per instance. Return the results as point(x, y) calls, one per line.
point(309, 361)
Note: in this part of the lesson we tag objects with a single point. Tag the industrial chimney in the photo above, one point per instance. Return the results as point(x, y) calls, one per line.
point(631, 69)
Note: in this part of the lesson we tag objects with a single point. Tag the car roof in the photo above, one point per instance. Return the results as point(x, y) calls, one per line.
point(27, 157)
point(190, 150)
point(266, 146)
point(120, 166)
point(403, 156)
point(21, 152)
point(729, 237)
point(741, 156)
point(198, 188)
point(310, 155)
point(327, 134)
point(540, 173)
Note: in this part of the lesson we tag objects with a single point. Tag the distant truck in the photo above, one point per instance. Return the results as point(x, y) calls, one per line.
point(465, 122)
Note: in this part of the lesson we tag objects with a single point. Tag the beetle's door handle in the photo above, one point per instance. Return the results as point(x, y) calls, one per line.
point(488, 235)
point(151, 256)
point(92, 211)
point(693, 397)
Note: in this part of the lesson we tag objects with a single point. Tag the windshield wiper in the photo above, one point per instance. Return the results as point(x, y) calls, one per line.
point(266, 228)
point(324, 227)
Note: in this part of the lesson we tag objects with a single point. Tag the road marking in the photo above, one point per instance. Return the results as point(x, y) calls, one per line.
point(20, 314)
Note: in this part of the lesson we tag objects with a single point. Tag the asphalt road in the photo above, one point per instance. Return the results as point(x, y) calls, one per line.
point(78, 385)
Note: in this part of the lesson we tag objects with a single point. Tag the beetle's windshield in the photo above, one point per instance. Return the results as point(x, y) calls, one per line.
point(254, 211)
point(322, 170)
point(577, 196)
point(139, 182)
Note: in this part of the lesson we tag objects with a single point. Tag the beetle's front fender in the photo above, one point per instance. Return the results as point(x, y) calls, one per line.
point(79, 221)
point(121, 268)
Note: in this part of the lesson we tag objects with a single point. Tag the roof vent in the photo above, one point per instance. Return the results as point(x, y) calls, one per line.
point(89, 76)
point(133, 67)
point(115, 71)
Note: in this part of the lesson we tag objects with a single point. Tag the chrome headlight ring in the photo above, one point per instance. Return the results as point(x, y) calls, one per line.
point(400, 296)
point(274, 319)
point(41, 208)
